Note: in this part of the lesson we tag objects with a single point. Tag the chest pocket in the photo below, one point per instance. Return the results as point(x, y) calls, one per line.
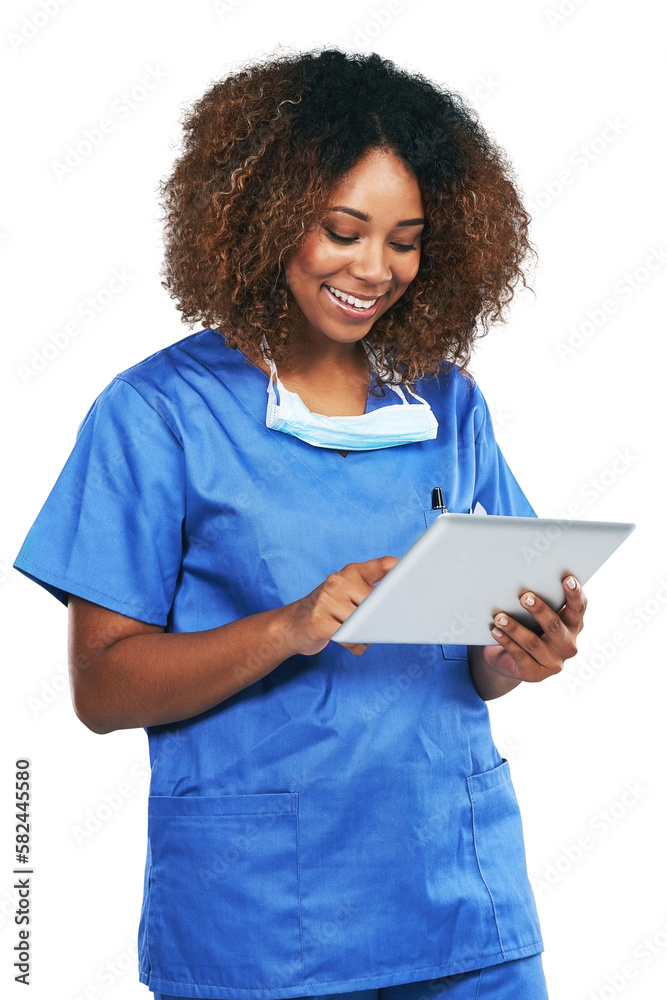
point(449, 652)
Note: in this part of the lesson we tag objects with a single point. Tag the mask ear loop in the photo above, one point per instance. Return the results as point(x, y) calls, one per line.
point(384, 371)
point(399, 392)
point(420, 398)
point(273, 391)
point(430, 414)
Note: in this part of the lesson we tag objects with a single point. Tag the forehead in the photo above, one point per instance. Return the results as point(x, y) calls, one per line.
point(379, 178)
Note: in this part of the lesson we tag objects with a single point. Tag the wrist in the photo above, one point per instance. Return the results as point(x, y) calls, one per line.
point(265, 645)
point(282, 632)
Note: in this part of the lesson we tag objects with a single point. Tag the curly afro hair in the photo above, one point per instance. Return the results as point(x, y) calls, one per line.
point(262, 151)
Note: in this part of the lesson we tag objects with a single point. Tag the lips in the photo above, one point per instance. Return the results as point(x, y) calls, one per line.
point(350, 310)
point(353, 300)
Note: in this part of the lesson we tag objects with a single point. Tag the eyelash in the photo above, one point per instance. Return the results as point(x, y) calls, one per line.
point(347, 240)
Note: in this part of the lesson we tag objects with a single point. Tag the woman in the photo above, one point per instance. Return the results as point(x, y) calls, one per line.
point(318, 823)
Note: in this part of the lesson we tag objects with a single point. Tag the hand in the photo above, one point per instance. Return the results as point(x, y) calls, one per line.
point(312, 620)
point(524, 656)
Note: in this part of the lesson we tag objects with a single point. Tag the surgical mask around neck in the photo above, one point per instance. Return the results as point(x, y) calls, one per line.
point(384, 427)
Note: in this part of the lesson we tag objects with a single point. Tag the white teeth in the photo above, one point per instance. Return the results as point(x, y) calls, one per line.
point(358, 303)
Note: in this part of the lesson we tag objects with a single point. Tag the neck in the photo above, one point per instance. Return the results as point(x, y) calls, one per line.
point(323, 356)
point(320, 359)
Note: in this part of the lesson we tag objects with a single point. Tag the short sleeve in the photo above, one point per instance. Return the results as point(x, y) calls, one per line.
point(111, 528)
point(496, 489)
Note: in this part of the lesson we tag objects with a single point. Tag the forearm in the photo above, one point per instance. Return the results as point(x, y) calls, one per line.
point(150, 679)
point(488, 682)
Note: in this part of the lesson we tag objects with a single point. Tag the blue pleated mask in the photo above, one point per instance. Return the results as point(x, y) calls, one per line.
point(384, 427)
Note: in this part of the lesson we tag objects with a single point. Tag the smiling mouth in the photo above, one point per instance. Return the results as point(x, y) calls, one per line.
point(363, 305)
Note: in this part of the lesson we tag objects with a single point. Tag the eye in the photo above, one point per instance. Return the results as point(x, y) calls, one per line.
point(347, 240)
point(340, 239)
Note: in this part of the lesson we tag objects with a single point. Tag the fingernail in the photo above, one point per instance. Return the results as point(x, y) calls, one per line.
point(496, 632)
point(571, 582)
point(501, 621)
point(528, 599)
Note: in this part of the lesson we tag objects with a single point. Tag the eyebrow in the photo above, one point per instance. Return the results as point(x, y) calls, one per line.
point(366, 218)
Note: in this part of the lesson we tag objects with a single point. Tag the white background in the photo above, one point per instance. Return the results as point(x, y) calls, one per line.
point(586, 748)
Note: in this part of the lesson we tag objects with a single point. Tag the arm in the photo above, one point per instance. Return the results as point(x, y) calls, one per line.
point(127, 673)
point(521, 655)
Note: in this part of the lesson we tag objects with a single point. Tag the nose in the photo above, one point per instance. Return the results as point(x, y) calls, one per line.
point(371, 263)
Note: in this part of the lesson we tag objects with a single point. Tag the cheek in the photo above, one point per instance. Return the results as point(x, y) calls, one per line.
point(314, 261)
point(408, 271)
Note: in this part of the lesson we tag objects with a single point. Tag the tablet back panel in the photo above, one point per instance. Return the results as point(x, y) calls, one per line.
point(462, 570)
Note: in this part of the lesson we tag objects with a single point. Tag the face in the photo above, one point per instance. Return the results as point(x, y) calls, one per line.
point(362, 255)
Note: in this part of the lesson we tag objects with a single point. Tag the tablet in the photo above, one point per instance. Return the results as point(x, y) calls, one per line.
point(464, 569)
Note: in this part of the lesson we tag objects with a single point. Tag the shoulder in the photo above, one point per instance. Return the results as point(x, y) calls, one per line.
point(171, 364)
point(163, 383)
point(453, 391)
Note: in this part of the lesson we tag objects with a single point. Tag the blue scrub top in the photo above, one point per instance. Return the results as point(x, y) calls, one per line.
point(346, 822)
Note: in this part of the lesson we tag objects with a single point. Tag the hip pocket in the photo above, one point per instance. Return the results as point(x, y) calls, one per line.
point(501, 857)
point(225, 905)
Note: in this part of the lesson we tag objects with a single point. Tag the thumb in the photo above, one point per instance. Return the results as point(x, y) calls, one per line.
point(377, 568)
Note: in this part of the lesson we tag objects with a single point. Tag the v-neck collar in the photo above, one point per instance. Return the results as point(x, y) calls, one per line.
point(361, 479)
point(260, 378)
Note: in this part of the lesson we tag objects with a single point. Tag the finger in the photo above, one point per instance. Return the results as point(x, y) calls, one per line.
point(356, 647)
point(556, 632)
point(575, 603)
point(342, 593)
point(354, 582)
point(529, 669)
point(526, 640)
point(374, 569)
